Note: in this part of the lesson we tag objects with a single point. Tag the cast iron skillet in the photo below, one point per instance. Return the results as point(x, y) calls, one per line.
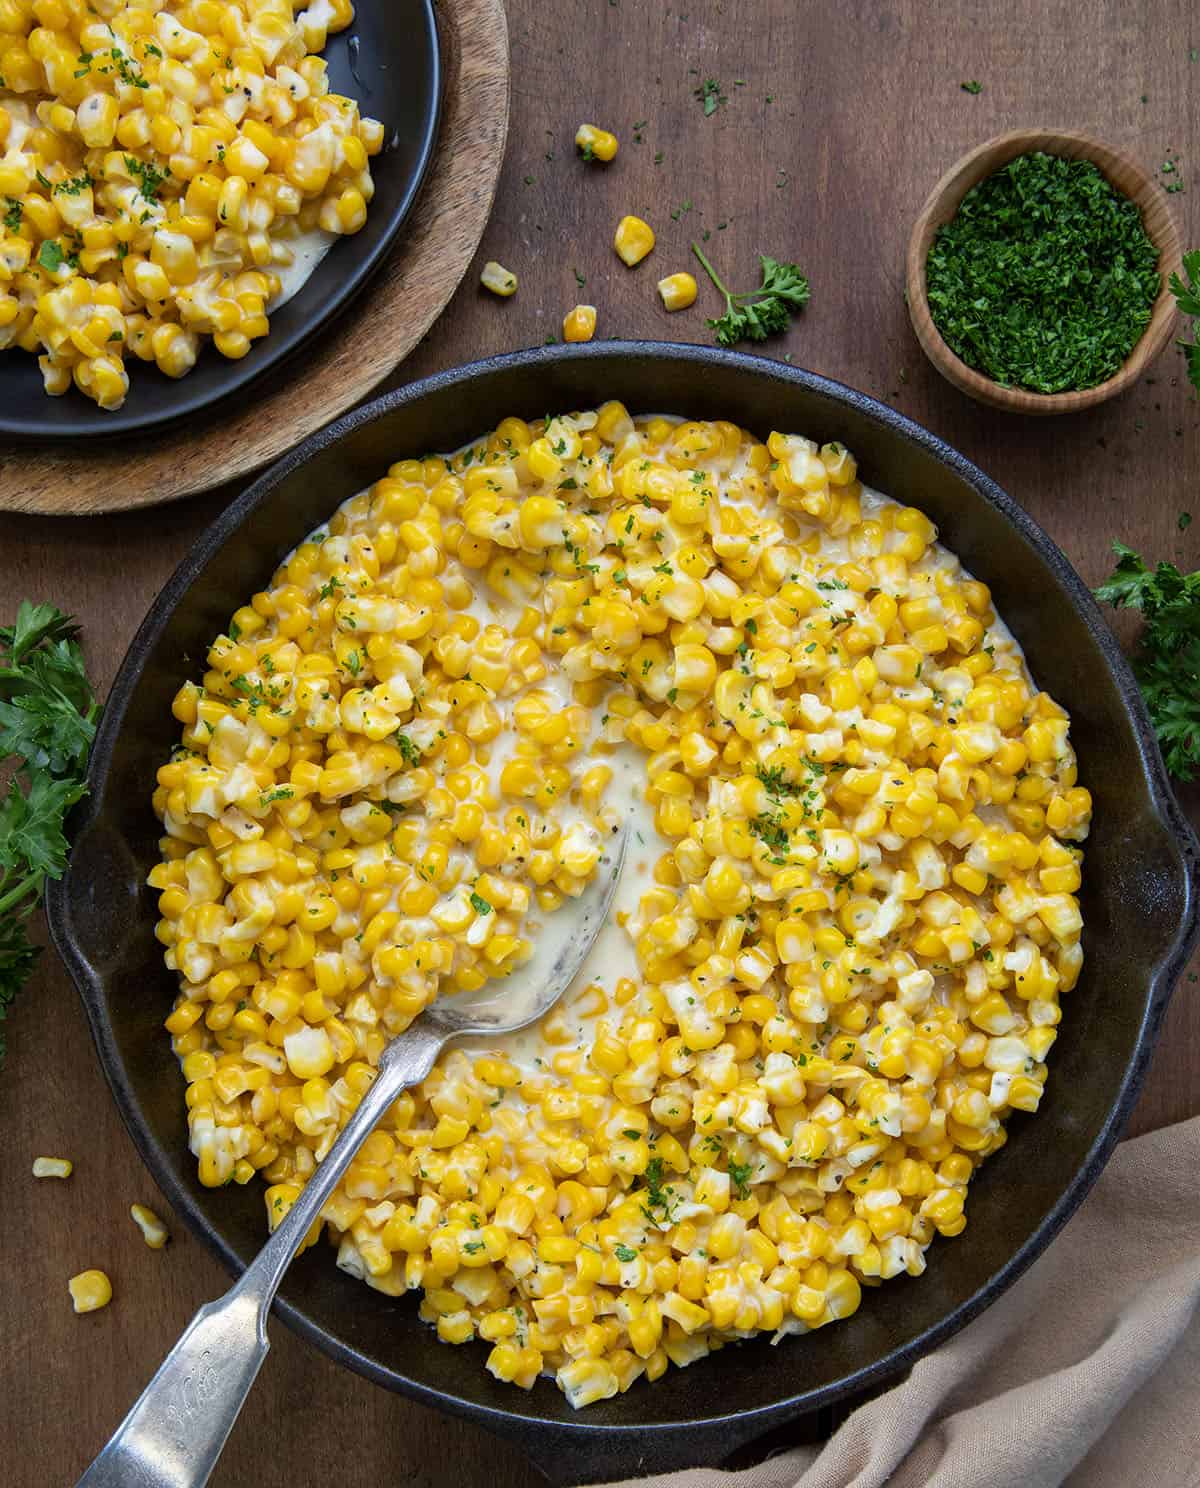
point(1141, 887)
point(388, 60)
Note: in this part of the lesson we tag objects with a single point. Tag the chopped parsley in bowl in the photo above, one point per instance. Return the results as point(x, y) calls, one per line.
point(1046, 278)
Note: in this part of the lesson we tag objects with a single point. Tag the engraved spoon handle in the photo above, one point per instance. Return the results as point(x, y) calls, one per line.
point(176, 1431)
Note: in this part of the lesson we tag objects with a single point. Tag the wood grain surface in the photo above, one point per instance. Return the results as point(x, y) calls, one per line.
point(341, 368)
point(847, 113)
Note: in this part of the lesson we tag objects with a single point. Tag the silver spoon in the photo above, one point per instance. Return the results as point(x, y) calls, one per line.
point(176, 1431)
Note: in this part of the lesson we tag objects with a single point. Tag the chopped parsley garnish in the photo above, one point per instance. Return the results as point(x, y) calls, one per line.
point(408, 750)
point(658, 1197)
point(126, 70)
point(148, 176)
point(280, 793)
point(710, 96)
point(479, 904)
point(1045, 279)
point(12, 215)
point(740, 1175)
point(776, 782)
point(625, 1253)
point(771, 832)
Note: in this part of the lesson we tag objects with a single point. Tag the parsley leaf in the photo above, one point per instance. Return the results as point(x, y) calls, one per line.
point(51, 255)
point(761, 312)
point(710, 96)
point(625, 1253)
point(1167, 662)
point(1187, 298)
point(479, 904)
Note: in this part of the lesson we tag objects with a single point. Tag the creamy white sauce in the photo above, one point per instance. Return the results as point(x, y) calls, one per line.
point(612, 955)
point(307, 250)
point(21, 119)
point(321, 12)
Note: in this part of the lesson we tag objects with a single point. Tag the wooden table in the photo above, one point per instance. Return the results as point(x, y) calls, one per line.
point(840, 115)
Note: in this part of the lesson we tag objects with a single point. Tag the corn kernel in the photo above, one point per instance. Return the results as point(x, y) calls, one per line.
point(52, 1167)
point(678, 291)
point(595, 144)
point(498, 279)
point(634, 239)
point(90, 1291)
point(579, 324)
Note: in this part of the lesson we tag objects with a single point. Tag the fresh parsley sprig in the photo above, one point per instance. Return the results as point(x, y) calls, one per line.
point(1187, 298)
point(762, 312)
point(1167, 662)
point(47, 724)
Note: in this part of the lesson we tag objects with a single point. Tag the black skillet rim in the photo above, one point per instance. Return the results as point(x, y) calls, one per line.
point(732, 1429)
point(273, 358)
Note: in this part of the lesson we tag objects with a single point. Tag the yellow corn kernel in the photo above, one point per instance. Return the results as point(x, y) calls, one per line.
point(498, 279)
point(90, 1291)
point(633, 240)
point(596, 144)
point(52, 1167)
point(678, 291)
point(154, 1232)
point(579, 324)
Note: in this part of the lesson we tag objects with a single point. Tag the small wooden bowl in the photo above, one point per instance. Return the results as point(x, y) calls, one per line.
point(1128, 178)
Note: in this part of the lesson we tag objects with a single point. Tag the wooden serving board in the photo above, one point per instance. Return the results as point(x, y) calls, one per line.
point(367, 342)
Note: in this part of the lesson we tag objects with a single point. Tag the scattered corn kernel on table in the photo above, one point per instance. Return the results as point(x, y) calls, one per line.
point(828, 126)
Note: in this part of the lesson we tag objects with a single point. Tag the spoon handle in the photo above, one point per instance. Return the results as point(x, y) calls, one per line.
point(176, 1431)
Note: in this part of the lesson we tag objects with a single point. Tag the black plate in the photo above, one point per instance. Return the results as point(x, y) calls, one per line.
point(1141, 886)
point(388, 60)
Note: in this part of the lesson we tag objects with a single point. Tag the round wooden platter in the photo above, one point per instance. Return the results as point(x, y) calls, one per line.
point(377, 332)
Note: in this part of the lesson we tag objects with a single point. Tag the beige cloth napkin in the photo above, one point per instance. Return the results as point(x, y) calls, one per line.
point(1086, 1372)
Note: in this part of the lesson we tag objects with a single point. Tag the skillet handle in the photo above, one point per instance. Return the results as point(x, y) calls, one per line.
point(92, 909)
point(568, 1457)
point(1187, 932)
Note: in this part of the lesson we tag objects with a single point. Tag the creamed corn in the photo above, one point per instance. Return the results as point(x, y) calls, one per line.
point(845, 961)
point(158, 163)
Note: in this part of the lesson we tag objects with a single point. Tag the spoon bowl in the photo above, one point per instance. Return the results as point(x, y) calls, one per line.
point(543, 979)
